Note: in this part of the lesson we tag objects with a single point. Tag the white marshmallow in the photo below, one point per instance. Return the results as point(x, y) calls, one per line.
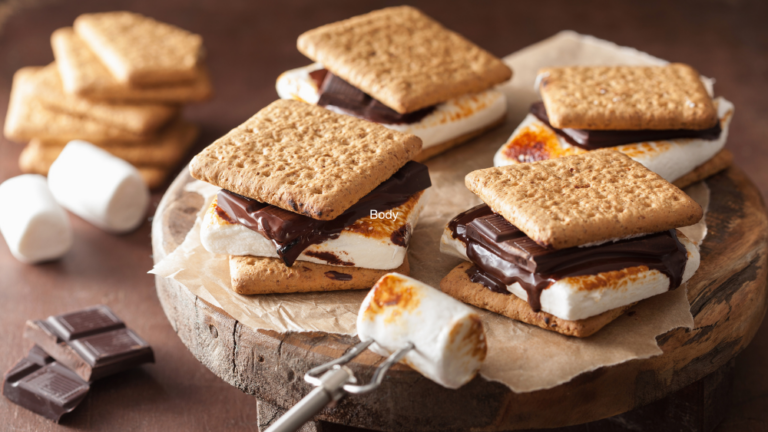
point(568, 298)
point(34, 226)
point(449, 338)
point(367, 243)
point(449, 120)
point(100, 188)
point(671, 159)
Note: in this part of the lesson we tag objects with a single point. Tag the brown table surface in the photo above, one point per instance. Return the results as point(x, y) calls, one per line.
point(248, 45)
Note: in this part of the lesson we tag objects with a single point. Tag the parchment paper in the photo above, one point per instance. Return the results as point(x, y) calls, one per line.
point(515, 349)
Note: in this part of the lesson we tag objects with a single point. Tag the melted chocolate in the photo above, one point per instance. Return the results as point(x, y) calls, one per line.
point(338, 276)
point(595, 139)
point(336, 92)
point(503, 255)
point(401, 235)
point(329, 257)
point(292, 233)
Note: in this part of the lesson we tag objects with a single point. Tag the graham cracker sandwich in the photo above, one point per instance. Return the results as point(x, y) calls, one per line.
point(400, 68)
point(311, 200)
point(569, 244)
point(664, 117)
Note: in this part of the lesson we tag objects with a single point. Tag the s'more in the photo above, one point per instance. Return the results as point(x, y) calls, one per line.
point(570, 244)
point(400, 68)
point(661, 116)
point(311, 200)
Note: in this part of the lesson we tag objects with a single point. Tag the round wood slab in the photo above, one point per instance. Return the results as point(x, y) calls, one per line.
point(727, 296)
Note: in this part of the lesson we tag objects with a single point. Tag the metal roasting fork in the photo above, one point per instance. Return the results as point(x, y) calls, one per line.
point(336, 381)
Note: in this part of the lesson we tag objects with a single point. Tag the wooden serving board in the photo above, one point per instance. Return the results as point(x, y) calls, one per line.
point(727, 296)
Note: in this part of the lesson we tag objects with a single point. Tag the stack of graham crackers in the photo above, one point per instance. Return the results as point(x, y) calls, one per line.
point(118, 82)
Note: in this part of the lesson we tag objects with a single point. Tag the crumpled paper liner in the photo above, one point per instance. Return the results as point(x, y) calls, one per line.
point(523, 357)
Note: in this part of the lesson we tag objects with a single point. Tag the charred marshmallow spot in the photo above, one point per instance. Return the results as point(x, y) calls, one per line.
point(392, 296)
point(533, 140)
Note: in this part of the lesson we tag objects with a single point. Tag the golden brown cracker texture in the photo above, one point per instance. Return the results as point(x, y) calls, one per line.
point(304, 158)
point(139, 50)
point(403, 58)
point(253, 275)
point(83, 74)
point(626, 97)
point(581, 199)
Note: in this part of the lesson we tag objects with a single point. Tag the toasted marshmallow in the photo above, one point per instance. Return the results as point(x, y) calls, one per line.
point(34, 226)
point(449, 120)
point(100, 188)
point(671, 159)
point(449, 339)
point(368, 243)
point(579, 297)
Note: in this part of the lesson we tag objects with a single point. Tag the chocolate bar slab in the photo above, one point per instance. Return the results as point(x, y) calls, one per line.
point(336, 92)
point(93, 342)
point(43, 386)
point(595, 139)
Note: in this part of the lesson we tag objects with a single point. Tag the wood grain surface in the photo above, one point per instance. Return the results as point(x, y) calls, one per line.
point(728, 301)
point(248, 45)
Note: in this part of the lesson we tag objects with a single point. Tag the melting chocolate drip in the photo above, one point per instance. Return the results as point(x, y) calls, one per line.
point(503, 255)
point(338, 276)
point(595, 139)
point(292, 233)
point(343, 95)
point(401, 236)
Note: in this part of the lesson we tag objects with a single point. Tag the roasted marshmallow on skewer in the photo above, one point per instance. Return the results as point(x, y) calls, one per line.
point(100, 188)
point(569, 244)
point(448, 336)
point(404, 71)
point(407, 321)
point(661, 116)
point(34, 226)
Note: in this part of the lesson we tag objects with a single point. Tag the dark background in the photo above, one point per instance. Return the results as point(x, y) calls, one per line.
point(249, 44)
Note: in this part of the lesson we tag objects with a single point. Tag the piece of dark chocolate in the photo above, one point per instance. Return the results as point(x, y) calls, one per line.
point(496, 228)
point(596, 139)
point(43, 386)
point(93, 342)
point(336, 92)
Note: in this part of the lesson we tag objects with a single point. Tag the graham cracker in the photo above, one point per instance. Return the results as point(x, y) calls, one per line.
point(457, 285)
point(166, 150)
point(626, 97)
point(32, 161)
point(139, 50)
point(83, 74)
point(253, 275)
point(444, 146)
point(585, 198)
point(720, 161)
point(304, 158)
point(28, 118)
point(394, 55)
point(45, 85)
